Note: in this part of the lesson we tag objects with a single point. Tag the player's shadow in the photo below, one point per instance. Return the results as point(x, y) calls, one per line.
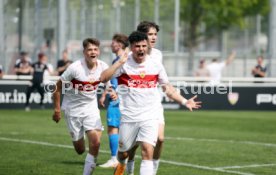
point(77, 163)
point(73, 162)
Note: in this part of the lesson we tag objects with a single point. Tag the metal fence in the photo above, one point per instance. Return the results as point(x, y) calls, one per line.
point(33, 26)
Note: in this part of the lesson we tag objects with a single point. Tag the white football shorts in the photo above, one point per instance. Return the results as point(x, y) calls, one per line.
point(160, 113)
point(133, 132)
point(78, 125)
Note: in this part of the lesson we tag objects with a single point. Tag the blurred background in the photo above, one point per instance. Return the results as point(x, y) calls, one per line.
point(190, 30)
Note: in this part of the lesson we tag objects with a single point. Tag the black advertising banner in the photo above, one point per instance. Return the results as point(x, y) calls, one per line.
point(234, 98)
point(13, 96)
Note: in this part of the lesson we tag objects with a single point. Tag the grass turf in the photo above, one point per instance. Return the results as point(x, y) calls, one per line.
point(196, 144)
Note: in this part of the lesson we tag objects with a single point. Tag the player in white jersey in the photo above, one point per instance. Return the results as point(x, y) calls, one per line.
point(79, 85)
point(151, 29)
point(138, 76)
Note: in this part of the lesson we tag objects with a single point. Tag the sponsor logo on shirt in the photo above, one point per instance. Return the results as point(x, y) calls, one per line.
point(138, 81)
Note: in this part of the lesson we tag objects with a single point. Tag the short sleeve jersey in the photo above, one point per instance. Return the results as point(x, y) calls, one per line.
point(80, 87)
point(261, 68)
point(215, 71)
point(156, 54)
point(138, 92)
point(20, 64)
point(39, 69)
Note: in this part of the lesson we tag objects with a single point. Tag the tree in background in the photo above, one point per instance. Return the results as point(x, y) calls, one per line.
point(217, 16)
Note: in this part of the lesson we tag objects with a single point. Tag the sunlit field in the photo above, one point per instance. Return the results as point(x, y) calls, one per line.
point(197, 143)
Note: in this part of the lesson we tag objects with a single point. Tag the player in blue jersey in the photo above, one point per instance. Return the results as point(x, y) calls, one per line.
point(118, 45)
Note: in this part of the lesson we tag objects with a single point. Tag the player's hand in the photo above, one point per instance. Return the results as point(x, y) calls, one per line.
point(192, 104)
point(124, 57)
point(57, 116)
point(101, 101)
point(113, 95)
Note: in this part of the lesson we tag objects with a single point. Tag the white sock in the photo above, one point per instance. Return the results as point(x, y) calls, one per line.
point(89, 165)
point(114, 158)
point(130, 167)
point(155, 166)
point(146, 167)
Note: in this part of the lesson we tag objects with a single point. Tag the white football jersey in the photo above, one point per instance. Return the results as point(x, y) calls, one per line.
point(80, 97)
point(137, 90)
point(156, 55)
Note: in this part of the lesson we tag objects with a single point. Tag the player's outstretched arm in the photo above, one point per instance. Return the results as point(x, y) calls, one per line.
point(230, 58)
point(107, 74)
point(192, 104)
point(56, 99)
point(174, 95)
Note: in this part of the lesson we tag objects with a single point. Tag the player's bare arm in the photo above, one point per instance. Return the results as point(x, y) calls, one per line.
point(56, 100)
point(107, 74)
point(102, 99)
point(231, 57)
point(172, 93)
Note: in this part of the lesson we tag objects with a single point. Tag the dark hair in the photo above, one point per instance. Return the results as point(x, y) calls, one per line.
point(144, 26)
point(40, 55)
point(121, 38)
point(92, 41)
point(214, 59)
point(23, 53)
point(137, 36)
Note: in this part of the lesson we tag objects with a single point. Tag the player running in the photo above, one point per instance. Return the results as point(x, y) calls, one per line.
point(138, 76)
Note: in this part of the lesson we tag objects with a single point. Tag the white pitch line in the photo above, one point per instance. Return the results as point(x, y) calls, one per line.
point(217, 140)
point(246, 166)
point(203, 167)
point(103, 151)
point(197, 139)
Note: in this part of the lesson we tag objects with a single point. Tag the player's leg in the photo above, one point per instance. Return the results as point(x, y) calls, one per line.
point(28, 95)
point(113, 122)
point(40, 90)
point(94, 146)
point(146, 167)
point(113, 136)
point(93, 127)
point(75, 128)
point(94, 141)
point(122, 158)
point(158, 147)
point(128, 134)
point(79, 146)
point(147, 136)
point(131, 160)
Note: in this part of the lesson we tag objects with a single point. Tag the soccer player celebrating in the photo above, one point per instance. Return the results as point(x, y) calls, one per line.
point(151, 29)
point(80, 101)
point(118, 45)
point(138, 75)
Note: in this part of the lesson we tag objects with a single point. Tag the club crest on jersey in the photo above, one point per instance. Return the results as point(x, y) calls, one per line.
point(142, 74)
point(233, 98)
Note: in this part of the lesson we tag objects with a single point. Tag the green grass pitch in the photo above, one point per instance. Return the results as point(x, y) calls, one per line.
point(197, 143)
